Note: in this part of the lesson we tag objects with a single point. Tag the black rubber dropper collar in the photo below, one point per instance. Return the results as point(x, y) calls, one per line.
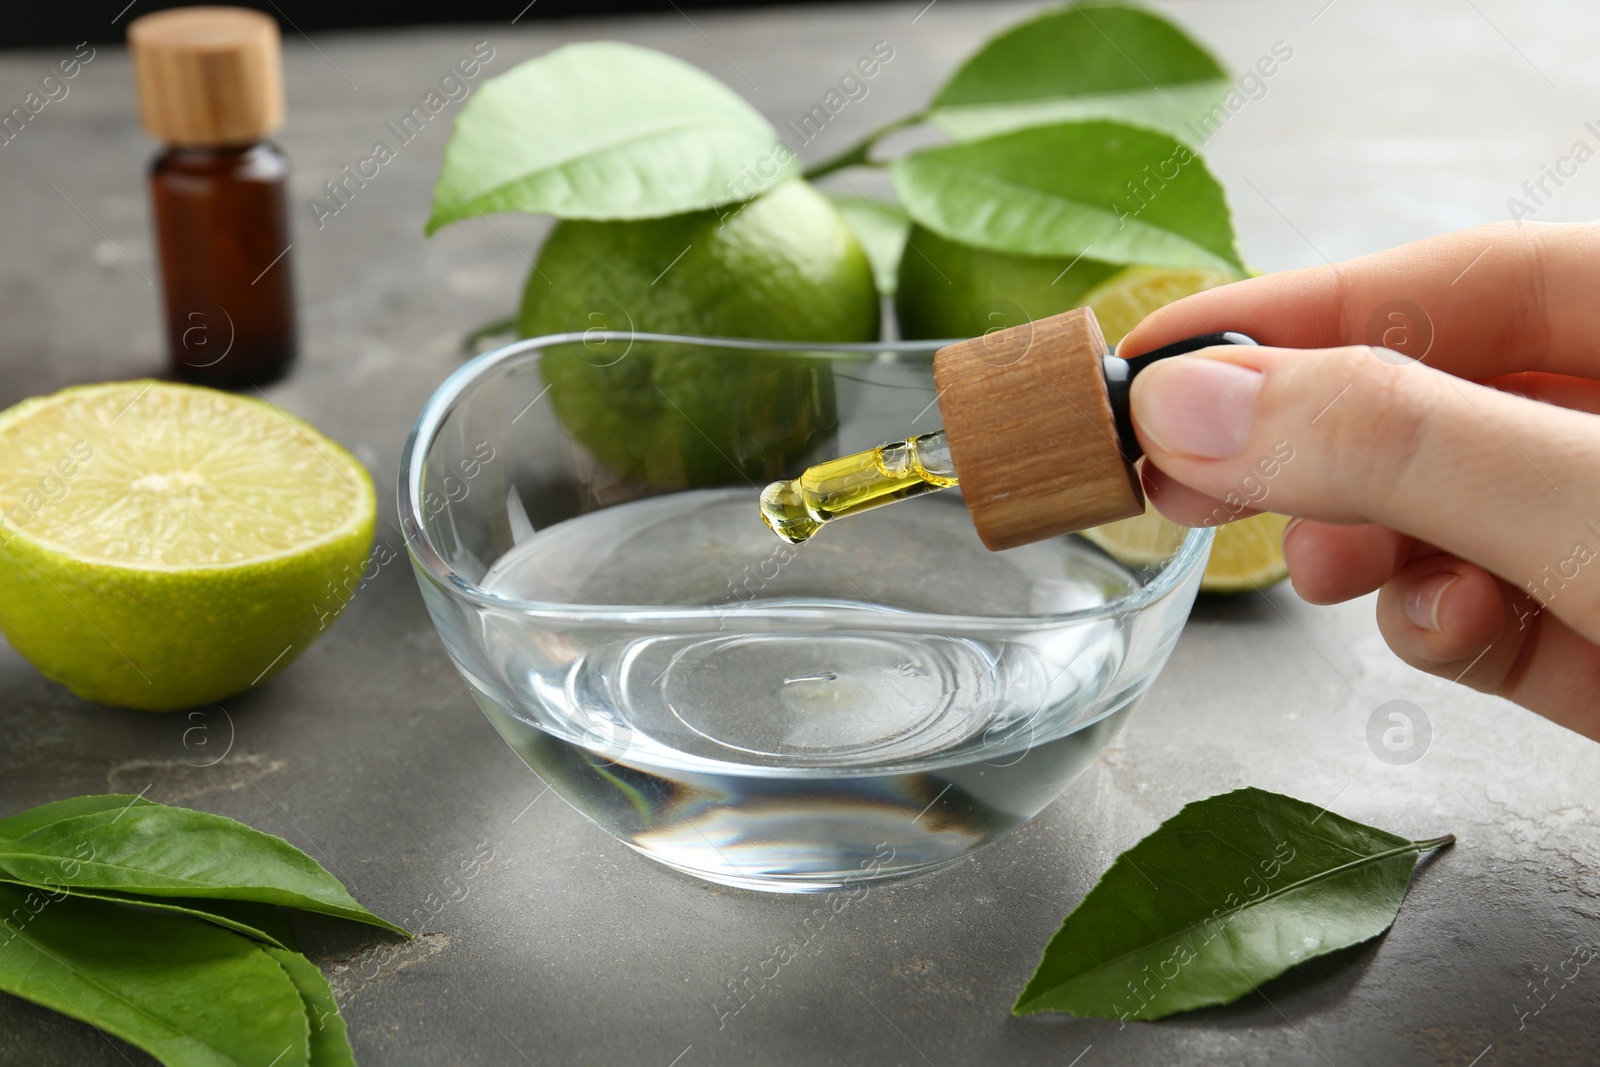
point(1121, 372)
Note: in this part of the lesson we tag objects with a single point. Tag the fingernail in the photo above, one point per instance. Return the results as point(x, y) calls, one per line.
point(1422, 603)
point(1197, 406)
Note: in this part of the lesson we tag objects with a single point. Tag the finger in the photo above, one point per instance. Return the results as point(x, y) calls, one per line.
point(1580, 394)
point(1342, 436)
point(1442, 611)
point(1185, 506)
point(1455, 620)
point(1498, 298)
point(1331, 564)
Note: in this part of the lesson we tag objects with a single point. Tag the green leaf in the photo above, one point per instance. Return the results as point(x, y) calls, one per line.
point(1118, 193)
point(1085, 61)
point(189, 994)
point(242, 917)
point(330, 1044)
point(881, 227)
point(1231, 891)
point(45, 814)
point(159, 851)
point(605, 130)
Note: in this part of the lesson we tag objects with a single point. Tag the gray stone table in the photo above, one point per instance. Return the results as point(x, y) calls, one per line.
point(1390, 122)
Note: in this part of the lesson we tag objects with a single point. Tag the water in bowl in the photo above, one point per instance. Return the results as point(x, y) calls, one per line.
point(882, 700)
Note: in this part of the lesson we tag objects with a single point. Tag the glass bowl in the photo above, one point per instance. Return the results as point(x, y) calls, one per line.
point(581, 513)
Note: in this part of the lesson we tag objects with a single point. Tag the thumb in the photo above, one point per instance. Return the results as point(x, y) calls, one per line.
point(1357, 435)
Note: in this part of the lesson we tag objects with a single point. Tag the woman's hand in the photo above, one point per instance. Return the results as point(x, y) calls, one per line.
point(1465, 485)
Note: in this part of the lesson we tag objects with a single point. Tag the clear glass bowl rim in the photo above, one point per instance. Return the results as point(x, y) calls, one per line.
point(1191, 553)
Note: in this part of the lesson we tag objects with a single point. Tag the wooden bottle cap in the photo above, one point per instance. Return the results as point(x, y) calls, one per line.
point(1031, 431)
point(207, 76)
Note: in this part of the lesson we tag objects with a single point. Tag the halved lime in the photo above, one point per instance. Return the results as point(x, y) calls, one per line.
point(1122, 300)
point(1247, 554)
point(163, 546)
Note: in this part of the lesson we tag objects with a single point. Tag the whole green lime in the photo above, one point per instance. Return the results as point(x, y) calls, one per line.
point(950, 289)
point(784, 266)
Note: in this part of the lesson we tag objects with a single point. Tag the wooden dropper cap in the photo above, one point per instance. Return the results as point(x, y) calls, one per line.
point(207, 76)
point(1039, 429)
point(1031, 431)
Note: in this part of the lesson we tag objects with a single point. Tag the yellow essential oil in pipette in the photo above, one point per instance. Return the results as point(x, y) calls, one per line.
point(797, 509)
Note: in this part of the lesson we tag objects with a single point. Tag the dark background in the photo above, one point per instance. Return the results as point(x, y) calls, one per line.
point(52, 24)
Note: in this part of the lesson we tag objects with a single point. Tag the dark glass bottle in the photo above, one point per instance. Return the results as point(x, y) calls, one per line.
point(222, 226)
point(210, 85)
